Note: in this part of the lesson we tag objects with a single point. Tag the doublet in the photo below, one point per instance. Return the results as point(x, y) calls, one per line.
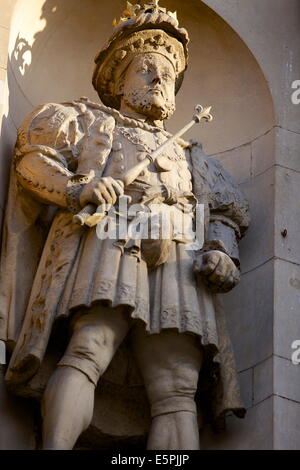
point(131, 145)
point(116, 275)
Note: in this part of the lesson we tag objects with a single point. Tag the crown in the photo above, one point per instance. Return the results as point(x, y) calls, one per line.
point(132, 11)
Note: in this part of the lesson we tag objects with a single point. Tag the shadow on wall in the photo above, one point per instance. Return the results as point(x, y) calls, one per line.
point(20, 61)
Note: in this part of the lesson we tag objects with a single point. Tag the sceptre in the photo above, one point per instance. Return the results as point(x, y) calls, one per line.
point(89, 215)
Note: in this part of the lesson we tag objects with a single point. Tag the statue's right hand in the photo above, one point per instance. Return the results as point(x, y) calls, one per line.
point(101, 190)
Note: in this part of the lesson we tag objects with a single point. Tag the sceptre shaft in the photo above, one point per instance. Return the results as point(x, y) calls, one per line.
point(89, 215)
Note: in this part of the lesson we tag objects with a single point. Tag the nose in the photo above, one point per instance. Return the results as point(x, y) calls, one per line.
point(157, 79)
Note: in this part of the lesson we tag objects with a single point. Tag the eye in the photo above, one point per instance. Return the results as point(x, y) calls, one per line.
point(167, 76)
point(144, 69)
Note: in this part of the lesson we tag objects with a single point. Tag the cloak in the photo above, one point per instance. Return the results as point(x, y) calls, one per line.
point(30, 305)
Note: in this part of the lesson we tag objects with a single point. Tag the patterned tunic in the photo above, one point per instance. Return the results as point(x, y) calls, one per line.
point(164, 297)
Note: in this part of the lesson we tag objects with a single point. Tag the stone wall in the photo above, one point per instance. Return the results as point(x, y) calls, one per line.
point(264, 331)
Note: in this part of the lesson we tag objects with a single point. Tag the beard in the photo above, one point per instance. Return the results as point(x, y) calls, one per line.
point(151, 105)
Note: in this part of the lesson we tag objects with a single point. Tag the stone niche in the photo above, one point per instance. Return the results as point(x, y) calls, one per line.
point(50, 58)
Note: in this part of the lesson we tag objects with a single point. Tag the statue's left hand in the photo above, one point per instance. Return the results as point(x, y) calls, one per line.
point(217, 271)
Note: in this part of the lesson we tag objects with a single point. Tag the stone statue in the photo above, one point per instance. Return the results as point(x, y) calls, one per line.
point(156, 292)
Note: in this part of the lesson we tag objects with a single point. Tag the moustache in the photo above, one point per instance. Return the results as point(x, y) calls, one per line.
point(155, 89)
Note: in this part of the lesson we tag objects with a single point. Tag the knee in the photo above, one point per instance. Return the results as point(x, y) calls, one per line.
point(88, 343)
point(173, 391)
point(89, 351)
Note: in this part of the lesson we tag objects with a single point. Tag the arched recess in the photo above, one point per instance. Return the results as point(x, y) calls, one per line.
point(52, 46)
point(51, 50)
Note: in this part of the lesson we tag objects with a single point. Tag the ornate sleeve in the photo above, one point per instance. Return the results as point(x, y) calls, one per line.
point(227, 212)
point(52, 141)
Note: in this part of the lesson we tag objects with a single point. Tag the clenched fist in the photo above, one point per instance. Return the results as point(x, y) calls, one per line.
point(101, 190)
point(217, 271)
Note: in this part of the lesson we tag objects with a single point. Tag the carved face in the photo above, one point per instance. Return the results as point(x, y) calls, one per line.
point(149, 86)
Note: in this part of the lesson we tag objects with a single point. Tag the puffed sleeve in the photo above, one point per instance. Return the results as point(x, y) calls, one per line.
point(227, 214)
point(51, 142)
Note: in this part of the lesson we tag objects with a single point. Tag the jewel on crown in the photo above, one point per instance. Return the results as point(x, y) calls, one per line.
point(133, 10)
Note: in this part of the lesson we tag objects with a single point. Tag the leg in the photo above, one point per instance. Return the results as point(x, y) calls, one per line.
point(68, 401)
point(170, 363)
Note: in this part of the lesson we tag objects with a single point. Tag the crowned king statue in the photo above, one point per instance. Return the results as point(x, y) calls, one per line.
point(154, 297)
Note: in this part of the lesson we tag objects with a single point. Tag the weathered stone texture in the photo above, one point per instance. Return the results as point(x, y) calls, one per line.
point(286, 310)
point(249, 313)
point(286, 379)
point(246, 384)
point(286, 424)
point(263, 153)
point(263, 380)
point(288, 148)
point(287, 215)
point(258, 246)
point(237, 162)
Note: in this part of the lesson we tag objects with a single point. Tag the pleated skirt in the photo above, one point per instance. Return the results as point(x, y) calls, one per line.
point(166, 297)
